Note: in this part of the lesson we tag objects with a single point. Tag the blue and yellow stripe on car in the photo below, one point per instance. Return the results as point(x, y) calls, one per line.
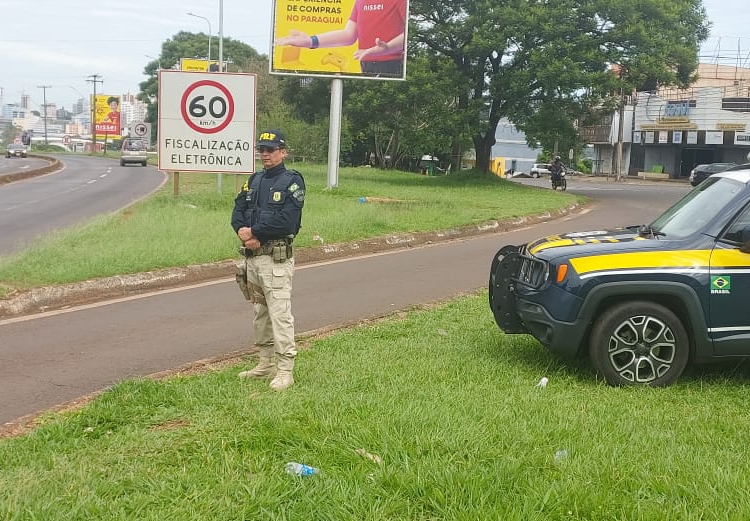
point(729, 258)
point(664, 261)
point(556, 241)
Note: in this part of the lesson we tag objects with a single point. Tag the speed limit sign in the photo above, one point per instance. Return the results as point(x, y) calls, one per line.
point(207, 107)
point(206, 122)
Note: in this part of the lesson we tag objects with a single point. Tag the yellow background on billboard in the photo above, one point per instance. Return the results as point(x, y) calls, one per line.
point(291, 15)
point(106, 121)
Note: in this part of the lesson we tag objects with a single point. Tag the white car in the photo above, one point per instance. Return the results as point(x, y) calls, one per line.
point(540, 169)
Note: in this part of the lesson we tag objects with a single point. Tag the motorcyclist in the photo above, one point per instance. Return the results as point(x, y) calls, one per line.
point(556, 169)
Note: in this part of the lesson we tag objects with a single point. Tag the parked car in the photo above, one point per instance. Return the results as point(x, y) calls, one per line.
point(539, 169)
point(643, 302)
point(133, 150)
point(701, 172)
point(15, 150)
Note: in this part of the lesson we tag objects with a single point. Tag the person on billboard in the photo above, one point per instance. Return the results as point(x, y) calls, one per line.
point(378, 28)
point(114, 112)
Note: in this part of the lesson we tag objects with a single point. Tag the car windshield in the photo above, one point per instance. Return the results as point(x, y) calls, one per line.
point(699, 207)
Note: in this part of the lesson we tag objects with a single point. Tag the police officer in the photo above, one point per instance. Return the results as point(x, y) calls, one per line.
point(266, 217)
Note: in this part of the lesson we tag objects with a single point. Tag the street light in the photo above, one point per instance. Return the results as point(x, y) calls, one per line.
point(157, 60)
point(209, 35)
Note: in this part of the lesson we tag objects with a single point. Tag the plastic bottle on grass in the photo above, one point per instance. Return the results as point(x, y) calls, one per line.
point(300, 469)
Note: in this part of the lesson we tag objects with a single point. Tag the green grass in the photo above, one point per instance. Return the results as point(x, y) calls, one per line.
point(447, 401)
point(166, 231)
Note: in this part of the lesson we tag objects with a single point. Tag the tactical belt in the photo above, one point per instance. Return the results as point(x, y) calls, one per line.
point(265, 249)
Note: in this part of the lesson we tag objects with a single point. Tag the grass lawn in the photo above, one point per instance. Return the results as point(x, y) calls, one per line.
point(194, 228)
point(448, 403)
point(446, 400)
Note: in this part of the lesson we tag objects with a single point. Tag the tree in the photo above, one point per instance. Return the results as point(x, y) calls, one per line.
point(400, 121)
point(513, 58)
point(390, 121)
point(188, 45)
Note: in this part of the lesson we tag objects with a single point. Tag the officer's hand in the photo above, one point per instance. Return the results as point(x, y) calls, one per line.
point(245, 234)
point(252, 244)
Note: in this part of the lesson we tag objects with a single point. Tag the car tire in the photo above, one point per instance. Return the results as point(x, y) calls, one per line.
point(122, 163)
point(145, 163)
point(639, 343)
point(535, 175)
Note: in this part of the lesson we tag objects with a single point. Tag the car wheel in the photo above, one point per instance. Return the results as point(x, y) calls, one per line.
point(639, 343)
point(122, 163)
point(145, 163)
point(535, 175)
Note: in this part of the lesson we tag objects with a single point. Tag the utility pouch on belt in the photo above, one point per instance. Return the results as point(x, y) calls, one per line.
point(279, 253)
point(241, 277)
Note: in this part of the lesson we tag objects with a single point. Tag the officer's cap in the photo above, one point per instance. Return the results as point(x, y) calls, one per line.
point(272, 138)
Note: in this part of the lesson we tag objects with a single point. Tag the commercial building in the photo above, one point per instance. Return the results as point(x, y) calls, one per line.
point(669, 131)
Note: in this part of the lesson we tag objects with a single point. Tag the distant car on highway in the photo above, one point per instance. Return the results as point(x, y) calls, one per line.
point(540, 169)
point(133, 151)
point(15, 150)
point(701, 172)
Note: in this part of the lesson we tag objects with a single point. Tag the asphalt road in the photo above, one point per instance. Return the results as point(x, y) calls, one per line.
point(15, 165)
point(84, 188)
point(52, 358)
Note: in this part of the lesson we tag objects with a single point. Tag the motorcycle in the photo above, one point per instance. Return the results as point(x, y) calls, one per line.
point(558, 181)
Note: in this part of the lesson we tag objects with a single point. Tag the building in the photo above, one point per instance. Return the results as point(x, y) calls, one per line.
point(510, 143)
point(676, 129)
point(672, 130)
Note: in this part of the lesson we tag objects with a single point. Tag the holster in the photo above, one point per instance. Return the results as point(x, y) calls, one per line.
point(241, 278)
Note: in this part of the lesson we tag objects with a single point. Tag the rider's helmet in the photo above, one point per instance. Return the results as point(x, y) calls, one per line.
point(557, 158)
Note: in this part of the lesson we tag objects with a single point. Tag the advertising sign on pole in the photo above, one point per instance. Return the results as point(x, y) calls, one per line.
point(107, 116)
point(345, 39)
point(199, 65)
point(206, 125)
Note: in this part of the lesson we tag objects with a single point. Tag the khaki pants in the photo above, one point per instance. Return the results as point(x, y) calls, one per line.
point(273, 323)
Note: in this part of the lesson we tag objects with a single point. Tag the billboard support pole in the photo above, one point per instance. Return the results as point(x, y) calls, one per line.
point(334, 133)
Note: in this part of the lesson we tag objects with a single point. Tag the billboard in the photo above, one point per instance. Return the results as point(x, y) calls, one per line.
point(107, 116)
point(200, 65)
point(346, 38)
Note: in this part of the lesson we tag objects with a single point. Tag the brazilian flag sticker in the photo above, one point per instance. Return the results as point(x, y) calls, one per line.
point(721, 284)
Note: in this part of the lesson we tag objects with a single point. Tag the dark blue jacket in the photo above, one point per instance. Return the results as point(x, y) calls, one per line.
point(270, 203)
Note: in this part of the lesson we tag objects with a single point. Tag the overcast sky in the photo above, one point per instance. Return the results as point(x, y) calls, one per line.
point(61, 43)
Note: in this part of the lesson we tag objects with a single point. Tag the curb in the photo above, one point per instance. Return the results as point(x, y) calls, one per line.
point(49, 298)
point(52, 167)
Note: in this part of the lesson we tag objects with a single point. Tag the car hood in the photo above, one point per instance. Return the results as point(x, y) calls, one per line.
point(581, 244)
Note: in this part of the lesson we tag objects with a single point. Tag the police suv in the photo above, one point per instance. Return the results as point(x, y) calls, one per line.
point(642, 301)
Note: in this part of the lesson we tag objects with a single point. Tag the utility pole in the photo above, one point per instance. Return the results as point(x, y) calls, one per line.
point(44, 109)
point(620, 132)
point(221, 36)
point(94, 78)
